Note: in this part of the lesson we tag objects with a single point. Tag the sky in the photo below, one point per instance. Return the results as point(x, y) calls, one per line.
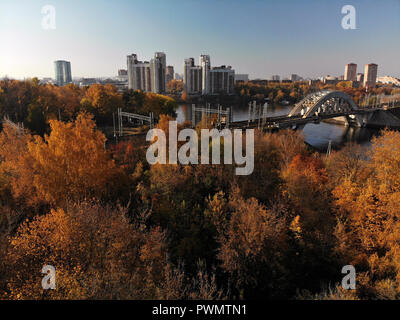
point(260, 38)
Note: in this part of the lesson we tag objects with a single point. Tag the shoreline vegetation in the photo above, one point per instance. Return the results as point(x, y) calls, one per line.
point(34, 105)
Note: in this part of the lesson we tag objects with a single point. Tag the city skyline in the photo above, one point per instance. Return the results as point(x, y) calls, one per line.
point(257, 38)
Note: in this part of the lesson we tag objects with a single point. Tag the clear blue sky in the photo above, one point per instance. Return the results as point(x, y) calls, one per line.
point(260, 38)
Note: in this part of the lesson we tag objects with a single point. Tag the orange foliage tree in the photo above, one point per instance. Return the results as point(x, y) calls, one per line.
point(97, 254)
point(69, 164)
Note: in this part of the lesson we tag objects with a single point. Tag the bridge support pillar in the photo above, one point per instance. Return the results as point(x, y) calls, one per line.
point(298, 127)
point(355, 120)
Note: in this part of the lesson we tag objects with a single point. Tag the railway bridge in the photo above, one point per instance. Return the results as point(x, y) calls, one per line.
point(325, 105)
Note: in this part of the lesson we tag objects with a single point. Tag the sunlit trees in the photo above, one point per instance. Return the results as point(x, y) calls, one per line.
point(146, 102)
point(185, 96)
point(266, 171)
point(283, 232)
point(97, 254)
point(175, 86)
point(105, 100)
point(368, 225)
point(159, 104)
point(69, 164)
point(252, 249)
point(313, 222)
point(272, 153)
point(16, 172)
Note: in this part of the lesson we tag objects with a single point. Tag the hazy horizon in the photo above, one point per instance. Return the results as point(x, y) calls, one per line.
point(259, 38)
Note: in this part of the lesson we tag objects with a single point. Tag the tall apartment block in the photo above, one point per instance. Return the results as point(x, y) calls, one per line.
point(350, 72)
point(158, 70)
point(205, 65)
point(170, 74)
point(222, 80)
point(138, 74)
point(147, 76)
point(206, 80)
point(370, 74)
point(192, 77)
point(62, 72)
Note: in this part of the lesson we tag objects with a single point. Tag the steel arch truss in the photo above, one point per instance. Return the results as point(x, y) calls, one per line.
point(324, 103)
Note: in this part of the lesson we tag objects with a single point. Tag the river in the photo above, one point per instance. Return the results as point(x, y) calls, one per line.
point(316, 135)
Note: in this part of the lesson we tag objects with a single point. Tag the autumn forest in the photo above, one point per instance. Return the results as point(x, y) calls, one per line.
point(115, 227)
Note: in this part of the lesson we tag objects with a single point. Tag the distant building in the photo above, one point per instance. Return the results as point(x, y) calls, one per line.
point(148, 76)
point(242, 77)
point(63, 72)
point(139, 77)
point(262, 82)
point(389, 80)
point(46, 81)
point(312, 82)
point(122, 72)
point(87, 82)
point(158, 71)
point(205, 65)
point(370, 74)
point(178, 76)
point(276, 78)
point(170, 74)
point(122, 75)
point(350, 72)
point(355, 84)
point(360, 77)
point(222, 80)
point(192, 77)
point(330, 80)
point(295, 77)
point(206, 80)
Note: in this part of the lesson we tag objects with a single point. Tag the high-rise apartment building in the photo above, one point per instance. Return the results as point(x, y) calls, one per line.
point(370, 74)
point(148, 76)
point(222, 80)
point(62, 72)
point(138, 74)
point(350, 72)
point(170, 74)
point(158, 70)
point(192, 77)
point(206, 80)
point(360, 77)
point(205, 64)
point(276, 78)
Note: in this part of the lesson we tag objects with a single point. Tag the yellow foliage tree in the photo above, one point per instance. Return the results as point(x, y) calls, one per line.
point(69, 164)
point(96, 252)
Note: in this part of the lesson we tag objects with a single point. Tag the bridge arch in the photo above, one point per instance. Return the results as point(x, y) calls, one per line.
point(323, 102)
